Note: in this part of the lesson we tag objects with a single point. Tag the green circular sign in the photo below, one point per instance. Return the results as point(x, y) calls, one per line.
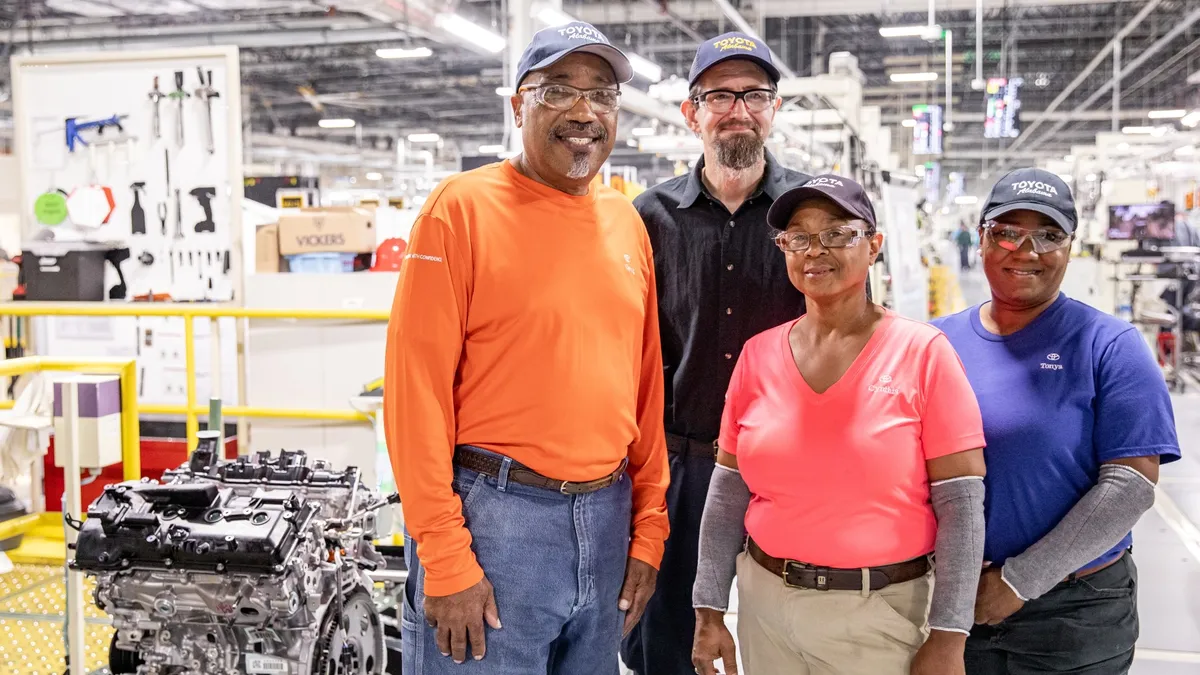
point(50, 208)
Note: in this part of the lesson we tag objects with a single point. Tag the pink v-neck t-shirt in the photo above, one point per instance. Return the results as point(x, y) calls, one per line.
point(838, 478)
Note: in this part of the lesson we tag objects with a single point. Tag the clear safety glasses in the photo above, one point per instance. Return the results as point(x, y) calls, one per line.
point(1012, 238)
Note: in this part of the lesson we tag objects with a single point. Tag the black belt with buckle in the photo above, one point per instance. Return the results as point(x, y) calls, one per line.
point(489, 465)
point(801, 575)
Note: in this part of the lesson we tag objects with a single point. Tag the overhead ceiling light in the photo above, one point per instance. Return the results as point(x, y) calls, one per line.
point(492, 149)
point(1122, 147)
point(1191, 120)
point(374, 175)
point(551, 16)
point(1166, 114)
point(1185, 151)
point(966, 200)
point(402, 53)
point(646, 68)
point(631, 142)
point(1137, 130)
point(642, 131)
point(1091, 178)
point(1066, 177)
point(470, 32)
point(505, 91)
point(336, 123)
point(914, 77)
point(908, 123)
point(925, 31)
point(424, 138)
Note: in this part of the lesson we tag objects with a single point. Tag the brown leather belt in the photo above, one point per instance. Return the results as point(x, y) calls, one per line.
point(802, 575)
point(489, 465)
point(1093, 570)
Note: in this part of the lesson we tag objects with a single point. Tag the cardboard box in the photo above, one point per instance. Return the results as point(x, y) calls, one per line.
point(266, 249)
point(327, 230)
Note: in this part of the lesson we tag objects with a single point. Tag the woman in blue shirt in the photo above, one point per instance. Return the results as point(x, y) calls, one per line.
point(1077, 419)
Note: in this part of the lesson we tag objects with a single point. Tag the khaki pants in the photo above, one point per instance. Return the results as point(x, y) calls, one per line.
point(797, 631)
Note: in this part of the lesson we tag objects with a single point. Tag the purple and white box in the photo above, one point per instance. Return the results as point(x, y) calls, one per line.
point(99, 401)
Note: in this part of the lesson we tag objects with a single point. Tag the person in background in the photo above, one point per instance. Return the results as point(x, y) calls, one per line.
point(720, 281)
point(1077, 418)
point(849, 452)
point(964, 241)
point(525, 426)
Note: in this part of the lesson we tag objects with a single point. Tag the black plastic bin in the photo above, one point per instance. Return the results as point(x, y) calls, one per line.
point(10, 507)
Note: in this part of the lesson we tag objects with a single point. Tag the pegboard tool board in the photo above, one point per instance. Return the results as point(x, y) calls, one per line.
point(142, 149)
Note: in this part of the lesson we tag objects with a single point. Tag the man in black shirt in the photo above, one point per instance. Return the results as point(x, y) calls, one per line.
point(721, 280)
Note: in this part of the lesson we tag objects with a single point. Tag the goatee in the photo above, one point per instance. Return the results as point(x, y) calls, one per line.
point(739, 151)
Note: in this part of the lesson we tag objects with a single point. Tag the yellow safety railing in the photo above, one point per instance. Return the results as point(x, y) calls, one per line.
point(126, 369)
point(192, 410)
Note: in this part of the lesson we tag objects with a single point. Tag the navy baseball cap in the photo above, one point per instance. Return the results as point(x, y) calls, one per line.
point(732, 46)
point(1035, 190)
point(838, 189)
point(549, 45)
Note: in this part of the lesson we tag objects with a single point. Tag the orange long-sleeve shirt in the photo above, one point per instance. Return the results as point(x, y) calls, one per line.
point(525, 322)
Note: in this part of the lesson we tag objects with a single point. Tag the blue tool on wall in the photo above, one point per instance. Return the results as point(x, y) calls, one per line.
point(75, 127)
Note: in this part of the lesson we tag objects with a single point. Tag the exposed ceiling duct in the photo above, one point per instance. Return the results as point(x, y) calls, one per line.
point(616, 11)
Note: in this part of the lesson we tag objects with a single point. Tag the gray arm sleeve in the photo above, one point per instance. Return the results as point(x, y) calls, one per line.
point(722, 536)
point(958, 505)
point(1103, 517)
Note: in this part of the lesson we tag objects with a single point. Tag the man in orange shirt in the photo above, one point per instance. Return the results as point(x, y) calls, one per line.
point(524, 392)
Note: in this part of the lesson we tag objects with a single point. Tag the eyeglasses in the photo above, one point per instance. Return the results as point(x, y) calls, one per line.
point(1012, 238)
point(563, 97)
point(722, 100)
point(836, 237)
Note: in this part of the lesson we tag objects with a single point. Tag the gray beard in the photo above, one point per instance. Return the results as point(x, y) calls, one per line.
point(579, 166)
point(739, 152)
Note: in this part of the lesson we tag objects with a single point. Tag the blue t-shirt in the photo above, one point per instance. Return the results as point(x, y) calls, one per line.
point(1072, 390)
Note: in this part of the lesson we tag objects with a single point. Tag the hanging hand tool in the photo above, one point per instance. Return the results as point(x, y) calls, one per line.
point(137, 217)
point(207, 93)
point(162, 217)
point(178, 96)
point(146, 258)
point(155, 97)
point(178, 215)
point(162, 213)
point(74, 126)
point(204, 195)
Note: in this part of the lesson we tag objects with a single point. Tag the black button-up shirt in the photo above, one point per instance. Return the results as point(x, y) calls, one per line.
point(721, 281)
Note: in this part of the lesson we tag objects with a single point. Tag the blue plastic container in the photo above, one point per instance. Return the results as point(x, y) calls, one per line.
point(321, 263)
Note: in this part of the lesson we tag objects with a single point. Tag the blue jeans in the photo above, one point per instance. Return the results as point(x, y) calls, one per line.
point(661, 644)
point(1085, 627)
point(557, 563)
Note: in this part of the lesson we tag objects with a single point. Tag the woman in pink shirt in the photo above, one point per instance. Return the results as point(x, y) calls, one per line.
point(850, 452)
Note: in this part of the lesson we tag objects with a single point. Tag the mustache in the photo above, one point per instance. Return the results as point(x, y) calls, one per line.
point(593, 129)
point(745, 125)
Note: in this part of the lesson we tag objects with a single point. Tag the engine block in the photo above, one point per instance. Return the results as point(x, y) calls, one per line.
point(259, 565)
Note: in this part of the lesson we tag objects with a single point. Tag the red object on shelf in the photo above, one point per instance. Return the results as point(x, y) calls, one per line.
point(389, 255)
point(1166, 348)
point(158, 455)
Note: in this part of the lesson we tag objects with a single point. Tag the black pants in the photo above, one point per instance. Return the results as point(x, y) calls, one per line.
point(1084, 627)
point(661, 643)
point(964, 257)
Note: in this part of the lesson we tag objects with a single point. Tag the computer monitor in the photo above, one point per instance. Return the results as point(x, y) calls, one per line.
point(1141, 222)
